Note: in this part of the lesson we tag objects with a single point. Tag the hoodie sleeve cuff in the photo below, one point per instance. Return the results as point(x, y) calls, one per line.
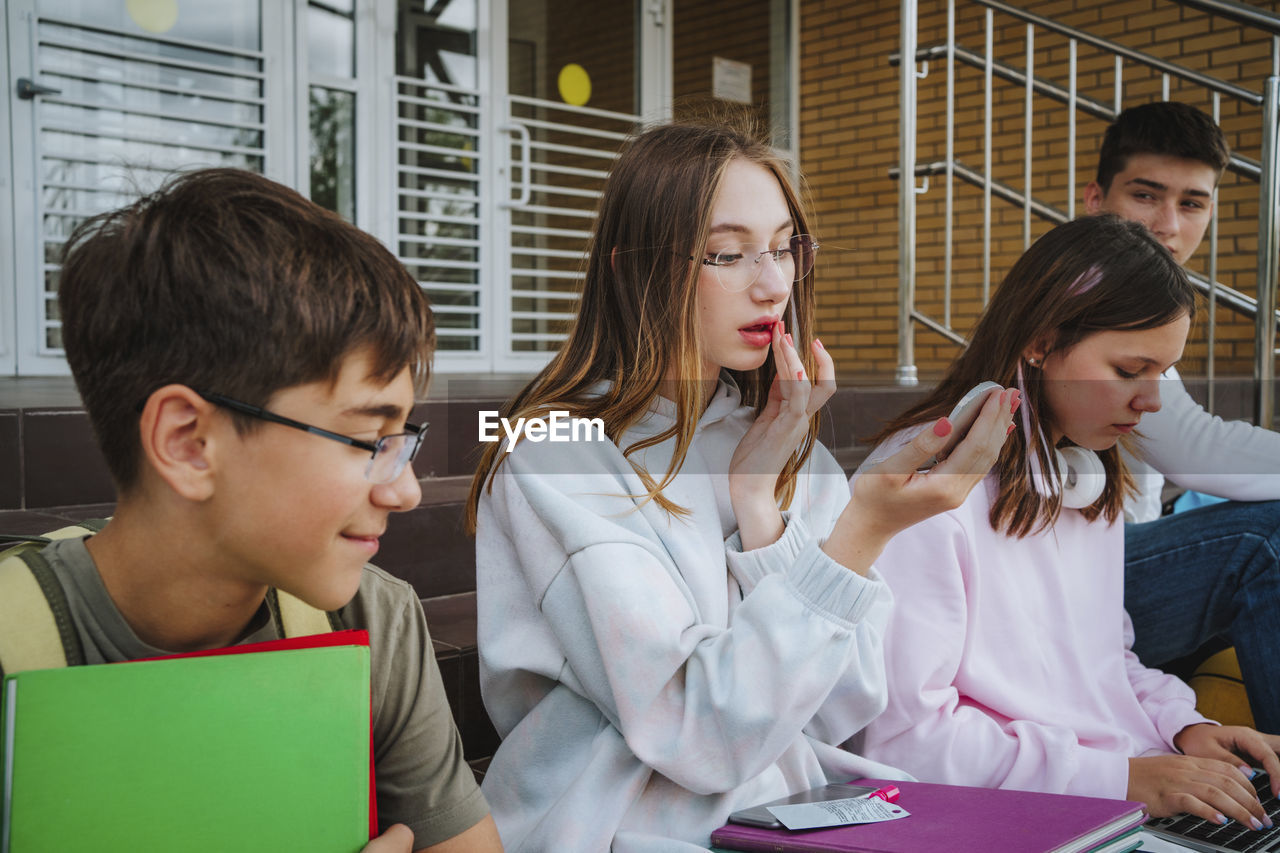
point(1169, 722)
point(819, 580)
point(750, 567)
point(1100, 773)
point(832, 588)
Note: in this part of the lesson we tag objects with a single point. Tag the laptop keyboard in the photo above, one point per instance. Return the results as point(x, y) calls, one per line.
point(1233, 836)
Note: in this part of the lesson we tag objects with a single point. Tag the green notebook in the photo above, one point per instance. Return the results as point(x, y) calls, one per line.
point(241, 752)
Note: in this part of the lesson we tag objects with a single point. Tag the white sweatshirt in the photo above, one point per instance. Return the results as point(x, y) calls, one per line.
point(647, 676)
point(1200, 451)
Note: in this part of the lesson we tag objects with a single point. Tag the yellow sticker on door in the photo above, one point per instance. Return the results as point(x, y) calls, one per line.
point(575, 85)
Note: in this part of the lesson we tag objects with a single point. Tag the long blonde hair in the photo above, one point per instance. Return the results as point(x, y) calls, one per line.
point(637, 320)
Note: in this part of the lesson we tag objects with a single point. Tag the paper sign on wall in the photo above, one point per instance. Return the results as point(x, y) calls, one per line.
point(731, 80)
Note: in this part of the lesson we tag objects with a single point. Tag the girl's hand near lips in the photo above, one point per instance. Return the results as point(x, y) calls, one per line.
point(775, 435)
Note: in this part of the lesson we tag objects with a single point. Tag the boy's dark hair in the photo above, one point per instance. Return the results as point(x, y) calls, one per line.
point(225, 281)
point(1163, 127)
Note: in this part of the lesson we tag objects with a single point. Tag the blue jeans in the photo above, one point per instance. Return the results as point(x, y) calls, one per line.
point(1211, 572)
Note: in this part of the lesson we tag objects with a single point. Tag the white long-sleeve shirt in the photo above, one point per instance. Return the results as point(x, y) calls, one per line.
point(648, 676)
point(1009, 658)
point(1196, 450)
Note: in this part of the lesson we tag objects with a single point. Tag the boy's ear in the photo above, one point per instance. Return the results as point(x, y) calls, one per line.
point(177, 440)
point(1092, 197)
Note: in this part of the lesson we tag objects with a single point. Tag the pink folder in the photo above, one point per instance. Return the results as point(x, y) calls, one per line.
point(957, 819)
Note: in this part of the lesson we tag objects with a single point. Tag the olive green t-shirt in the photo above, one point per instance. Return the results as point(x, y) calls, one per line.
point(423, 780)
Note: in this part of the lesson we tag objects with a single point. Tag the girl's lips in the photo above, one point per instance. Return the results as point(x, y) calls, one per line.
point(1125, 428)
point(759, 333)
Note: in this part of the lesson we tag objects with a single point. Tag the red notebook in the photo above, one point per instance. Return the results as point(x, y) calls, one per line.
point(312, 641)
point(959, 820)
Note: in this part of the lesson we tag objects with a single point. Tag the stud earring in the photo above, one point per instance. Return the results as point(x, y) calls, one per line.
point(1033, 361)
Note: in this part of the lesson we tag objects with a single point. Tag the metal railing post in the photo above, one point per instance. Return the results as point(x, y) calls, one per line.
point(906, 374)
point(1268, 254)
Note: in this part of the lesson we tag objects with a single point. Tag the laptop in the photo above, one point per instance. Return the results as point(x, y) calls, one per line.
point(1199, 834)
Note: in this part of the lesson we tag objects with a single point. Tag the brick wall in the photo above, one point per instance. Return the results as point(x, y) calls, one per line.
point(735, 30)
point(849, 140)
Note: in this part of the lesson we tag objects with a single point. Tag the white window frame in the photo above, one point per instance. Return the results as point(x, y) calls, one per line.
point(8, 191)
point(27, 287)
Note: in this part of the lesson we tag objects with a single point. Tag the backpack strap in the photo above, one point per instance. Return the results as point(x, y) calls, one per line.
point(295, 618)
point(36, 631)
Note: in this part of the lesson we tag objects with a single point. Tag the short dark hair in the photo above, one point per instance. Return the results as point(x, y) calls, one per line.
point(1162, 127)
point(225, 281)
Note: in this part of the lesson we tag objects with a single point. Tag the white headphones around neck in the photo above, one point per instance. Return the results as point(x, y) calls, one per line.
point(1082, 477)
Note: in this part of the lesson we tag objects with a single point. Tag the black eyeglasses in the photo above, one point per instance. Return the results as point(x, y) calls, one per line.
point(391, 453)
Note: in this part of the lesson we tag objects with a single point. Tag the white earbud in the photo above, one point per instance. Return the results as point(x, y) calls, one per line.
point(1083, 477)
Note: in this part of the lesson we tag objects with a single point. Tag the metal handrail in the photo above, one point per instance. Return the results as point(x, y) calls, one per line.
point(1266, 172)
point(1163, 66)
point(1244, 166)
point(1241, 13)
point(1227, 297)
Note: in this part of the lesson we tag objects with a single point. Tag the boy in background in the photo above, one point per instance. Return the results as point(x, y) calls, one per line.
point(1212, 571)
point(210, 326)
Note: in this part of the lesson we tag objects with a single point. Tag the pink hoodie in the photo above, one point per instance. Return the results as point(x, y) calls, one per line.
point(1008, 659)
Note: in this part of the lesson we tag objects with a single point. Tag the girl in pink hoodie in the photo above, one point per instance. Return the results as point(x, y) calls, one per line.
point(1008, 654)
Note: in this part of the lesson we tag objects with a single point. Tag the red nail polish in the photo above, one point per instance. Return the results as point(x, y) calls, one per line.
point(1010, 429)
point(799, 374)
point(942, 427)
point(1017, 399)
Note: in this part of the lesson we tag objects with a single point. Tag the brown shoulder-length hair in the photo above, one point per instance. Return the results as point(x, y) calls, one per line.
point(1093, 274)
point(637, 320)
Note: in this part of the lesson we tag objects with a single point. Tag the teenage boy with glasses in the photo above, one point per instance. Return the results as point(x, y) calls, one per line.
point(1212, 571)
point(200, 324)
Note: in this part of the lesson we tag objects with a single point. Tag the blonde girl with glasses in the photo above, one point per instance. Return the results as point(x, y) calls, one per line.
point(684, 619)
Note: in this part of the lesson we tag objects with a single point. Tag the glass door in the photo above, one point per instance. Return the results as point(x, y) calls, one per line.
point(508, 113)
point(581, 76)
point(573, 90)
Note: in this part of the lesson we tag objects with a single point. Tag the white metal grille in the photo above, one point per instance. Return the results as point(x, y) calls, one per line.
point(131, 110)
point(439, 182)
point(557, 177)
